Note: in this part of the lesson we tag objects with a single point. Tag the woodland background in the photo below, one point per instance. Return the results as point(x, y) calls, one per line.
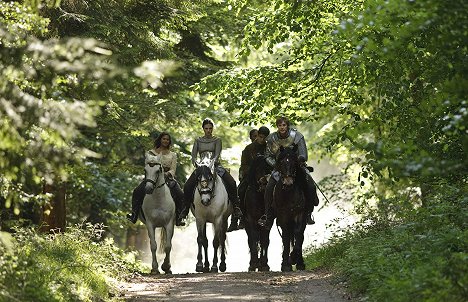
point(378, 87)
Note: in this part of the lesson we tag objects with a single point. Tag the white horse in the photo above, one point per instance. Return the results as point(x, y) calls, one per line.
point(158, 210)
point(210, 204)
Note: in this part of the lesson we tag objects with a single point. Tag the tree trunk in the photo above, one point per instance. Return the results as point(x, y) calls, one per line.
point(53, 214)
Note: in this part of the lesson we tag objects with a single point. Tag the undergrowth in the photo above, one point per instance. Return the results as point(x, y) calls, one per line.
point(77, 265)
point(420, 257)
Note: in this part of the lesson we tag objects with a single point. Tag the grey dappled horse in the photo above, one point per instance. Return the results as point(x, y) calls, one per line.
point(158, 211)
point(210, 204)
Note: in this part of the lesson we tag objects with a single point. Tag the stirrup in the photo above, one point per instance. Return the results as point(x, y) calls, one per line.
point(132, 217)
point(263, 220)
point(237, 213)
point(180, 222)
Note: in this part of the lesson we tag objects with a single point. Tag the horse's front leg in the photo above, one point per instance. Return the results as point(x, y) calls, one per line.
point(252, 237)
point(216, 239)
point(166, 238)
point(296, 254)
point(202, 242)
point(222, 265)
point(153, 247)
point(287, 236)
point(264, 244)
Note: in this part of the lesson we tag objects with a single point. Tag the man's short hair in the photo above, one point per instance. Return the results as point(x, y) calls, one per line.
point(252, 132)
point(264, 131)
point(282, 119)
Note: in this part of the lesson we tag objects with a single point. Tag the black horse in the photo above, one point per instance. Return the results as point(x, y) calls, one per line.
point(254, 208)
point(289, 207)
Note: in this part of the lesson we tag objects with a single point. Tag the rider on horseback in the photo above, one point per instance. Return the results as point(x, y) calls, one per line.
point(288, 137)
point(162, 145)
point(213, 145)
point(257, 147)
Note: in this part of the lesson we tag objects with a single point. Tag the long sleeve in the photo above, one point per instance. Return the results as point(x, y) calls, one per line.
point(194, 152)
point(217, 151)
point(173, 167)
point(302, 149)
point(270, 157)
point(244, 164)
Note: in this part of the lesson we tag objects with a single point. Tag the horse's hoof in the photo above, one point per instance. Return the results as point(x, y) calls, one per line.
point(300, 267)
point(155, 271)
point(264, 268)
point(199, 268)
point(206, 269)
point(222, 267)
point(168, 272)
point(286, 268)
point(252, 268)
point(214, 269)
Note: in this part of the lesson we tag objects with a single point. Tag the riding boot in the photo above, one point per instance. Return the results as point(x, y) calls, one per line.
point(189, 190)
point(241, 224)
point(178, 197)
point(234, 225)
point(137, 200)
point(268, 201)
point(310, 194)
point(232, 194)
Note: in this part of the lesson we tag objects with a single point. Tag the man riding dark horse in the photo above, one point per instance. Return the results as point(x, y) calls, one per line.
point(257, 147)
point(288, 137)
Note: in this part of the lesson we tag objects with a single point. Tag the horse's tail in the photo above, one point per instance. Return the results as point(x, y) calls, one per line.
point(162, 240)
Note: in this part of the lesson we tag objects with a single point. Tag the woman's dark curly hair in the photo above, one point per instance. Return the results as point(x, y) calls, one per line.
point(157, 141)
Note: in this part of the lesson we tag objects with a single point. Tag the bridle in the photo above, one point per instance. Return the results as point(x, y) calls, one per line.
point(155, 182)
point(288, 164)
point(203, 187)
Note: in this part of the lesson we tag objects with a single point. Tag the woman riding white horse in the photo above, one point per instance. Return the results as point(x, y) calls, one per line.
point(214, 198)
point(158, 210)
point(162, 147)
point(212, 145)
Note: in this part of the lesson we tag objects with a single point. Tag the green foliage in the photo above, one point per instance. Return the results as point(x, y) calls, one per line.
point(74, 266)
point(52, 91)
point(421, 257)
point(385, 78)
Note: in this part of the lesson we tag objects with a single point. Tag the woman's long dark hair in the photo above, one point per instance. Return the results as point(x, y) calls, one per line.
point(157, 141)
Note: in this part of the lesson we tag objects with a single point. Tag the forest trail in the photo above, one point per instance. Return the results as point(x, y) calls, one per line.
point(238, 286)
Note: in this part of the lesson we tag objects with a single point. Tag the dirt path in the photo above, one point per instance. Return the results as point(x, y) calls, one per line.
point(243, 286)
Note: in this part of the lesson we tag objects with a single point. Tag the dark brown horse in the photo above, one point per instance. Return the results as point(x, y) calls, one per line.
point(258, 237)
point(289, 207)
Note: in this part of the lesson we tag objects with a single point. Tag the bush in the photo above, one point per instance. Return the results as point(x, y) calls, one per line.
point(72, 266)
point(420, 258)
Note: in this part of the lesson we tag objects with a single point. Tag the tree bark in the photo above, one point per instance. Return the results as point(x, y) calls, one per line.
point(53, 214)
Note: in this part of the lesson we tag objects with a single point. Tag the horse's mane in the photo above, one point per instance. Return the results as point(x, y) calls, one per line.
point(203, 171)
point(286, 152)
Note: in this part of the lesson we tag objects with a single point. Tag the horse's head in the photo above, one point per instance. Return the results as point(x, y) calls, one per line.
point(206, 180)
point(287, 164)
point(153, 172)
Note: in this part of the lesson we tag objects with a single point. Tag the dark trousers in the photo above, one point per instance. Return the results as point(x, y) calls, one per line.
point(241, 190)
point(228, 180)
point(176, 192)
